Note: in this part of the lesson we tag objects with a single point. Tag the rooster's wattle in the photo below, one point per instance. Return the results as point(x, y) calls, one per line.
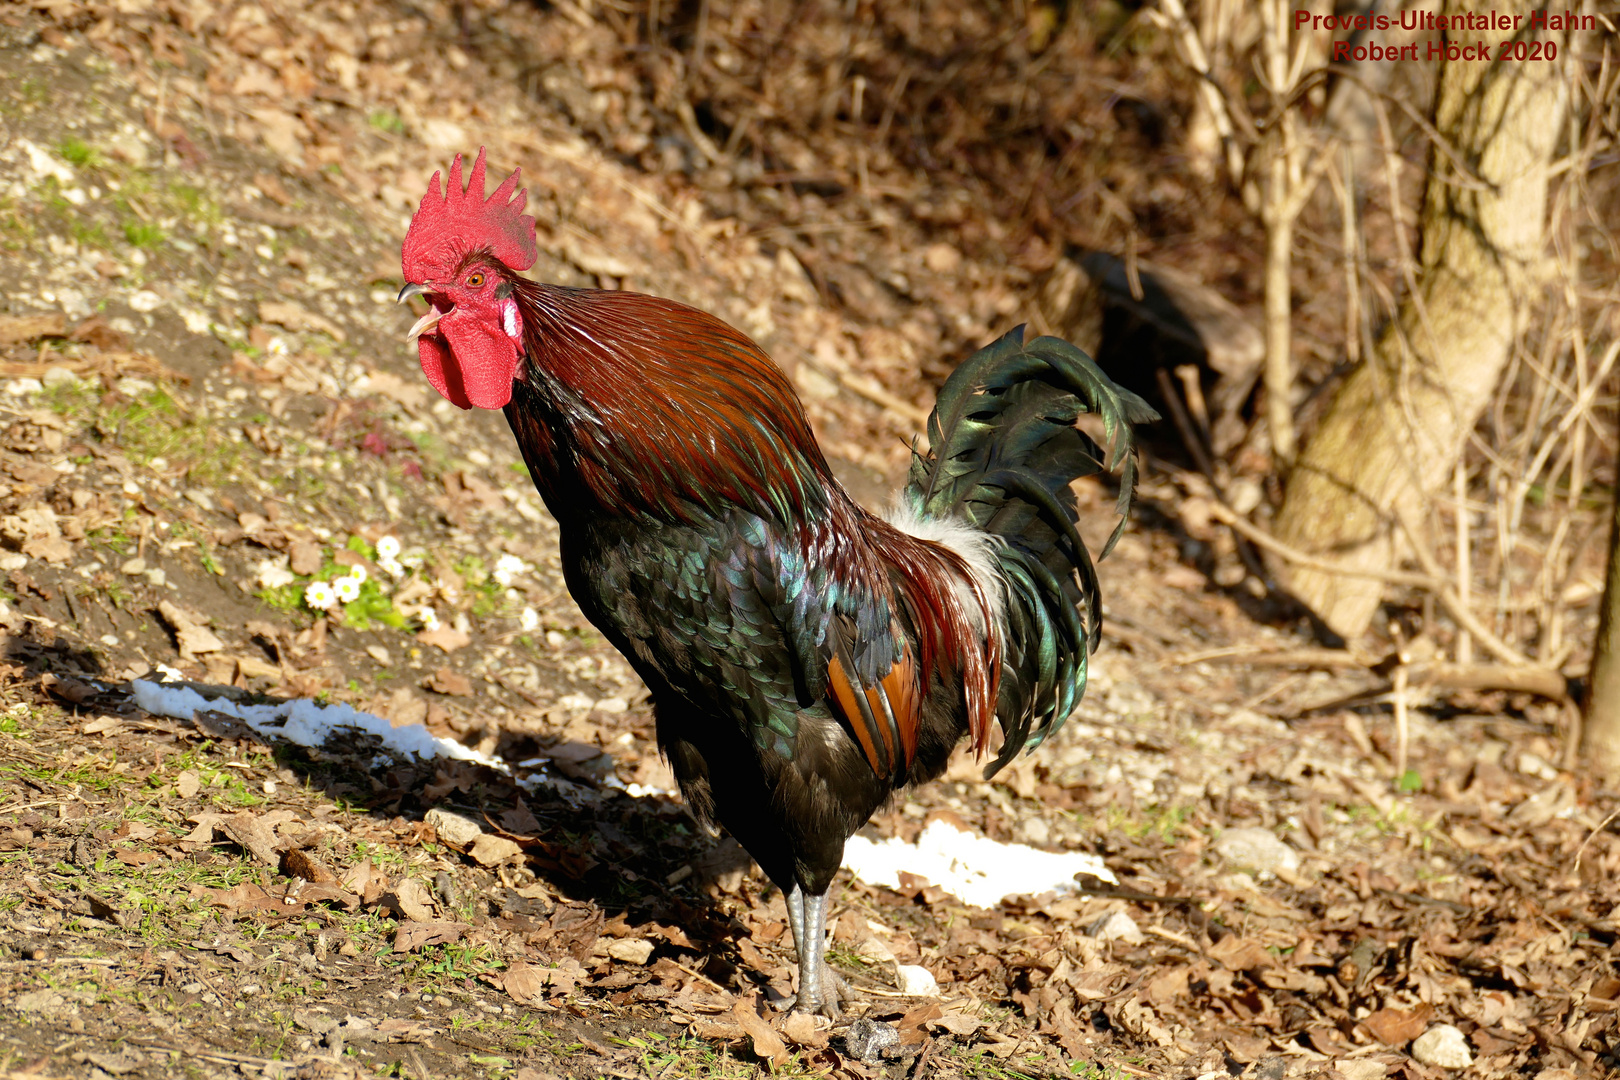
point(806, 658)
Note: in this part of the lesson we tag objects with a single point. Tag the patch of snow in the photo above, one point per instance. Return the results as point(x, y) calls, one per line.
point(974, 869)
point(306, 722)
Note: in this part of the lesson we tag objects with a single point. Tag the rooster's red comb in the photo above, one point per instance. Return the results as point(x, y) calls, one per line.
point(450, 225)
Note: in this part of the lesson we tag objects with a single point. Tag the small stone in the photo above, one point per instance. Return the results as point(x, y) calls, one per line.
point(453, 829)
point(630, 950)
point(917, 981)
point(379, 654)
point(872, 1040)
point(1361, 1068)
point(133, 567)
point(145, 300)
point(1442, 1046)
point(1035, 831)
point(942, 258)
point(59, 375)
point(1116, 926)
point(1259, 850)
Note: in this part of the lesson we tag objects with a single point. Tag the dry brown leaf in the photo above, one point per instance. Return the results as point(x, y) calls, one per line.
point(366, 880)
point(414, 935)
point(768, 1045)
point(53, 549)
point(15, 328)
point(1397, 1027)
point(959, 1024)
point(77, 692)
point(802, 1029)
point(187, 784)
point(311, 894)
point(530, 984)
point(401, 391)
point(490, 849)
point(445, 638)
point(525, 983)
point(243, 898)
point(286, 314)
point(1604, 995)
point(914, 1023)
point(520, 820)
point(450, 682)
point(413, 900)
point(190, 632)
point(1240, 953)
point(1169, 986)
point(305, 557)
point(253, 835)
point(272, 189)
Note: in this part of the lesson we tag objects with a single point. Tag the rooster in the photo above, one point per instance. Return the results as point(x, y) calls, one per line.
point(806, 658)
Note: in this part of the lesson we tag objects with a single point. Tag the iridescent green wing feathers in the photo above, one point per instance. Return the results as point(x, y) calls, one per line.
point(1003, 450)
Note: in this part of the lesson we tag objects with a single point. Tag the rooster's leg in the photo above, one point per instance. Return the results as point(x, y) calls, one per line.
point(819, 986)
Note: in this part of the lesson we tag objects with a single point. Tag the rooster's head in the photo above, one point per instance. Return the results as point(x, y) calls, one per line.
point(462, 254)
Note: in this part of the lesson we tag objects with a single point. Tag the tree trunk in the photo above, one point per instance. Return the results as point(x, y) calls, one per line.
point(1394, 430)
point(1600, 733)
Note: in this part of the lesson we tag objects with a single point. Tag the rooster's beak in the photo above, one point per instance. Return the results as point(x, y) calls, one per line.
point(426, 322)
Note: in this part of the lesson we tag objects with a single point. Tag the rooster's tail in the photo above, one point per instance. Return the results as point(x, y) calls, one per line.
point(1003, 450)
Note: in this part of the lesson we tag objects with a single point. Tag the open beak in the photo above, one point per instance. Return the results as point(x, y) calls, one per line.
point(426, 322)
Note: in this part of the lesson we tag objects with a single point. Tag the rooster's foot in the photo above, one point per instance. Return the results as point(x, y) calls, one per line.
point(832, 990)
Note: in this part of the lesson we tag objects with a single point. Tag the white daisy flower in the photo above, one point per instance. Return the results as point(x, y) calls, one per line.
point(529, 620)
point(346, 588)
point(319, 595)
point(392, 567)
point(276, 347)
point(388, 549)
point(430, 619)
point(359, 574)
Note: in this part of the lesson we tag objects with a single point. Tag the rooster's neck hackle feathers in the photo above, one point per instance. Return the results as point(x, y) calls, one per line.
point(668, 411)
point(450, 226)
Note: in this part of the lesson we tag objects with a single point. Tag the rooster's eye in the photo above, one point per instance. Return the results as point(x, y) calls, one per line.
point(474, 280)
